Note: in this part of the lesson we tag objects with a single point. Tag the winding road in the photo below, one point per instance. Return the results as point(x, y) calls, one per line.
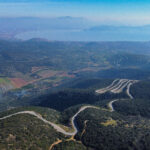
point(110, 105)
point(127, 84)
point(115, 87)
point(128, 89)
point(55, 126)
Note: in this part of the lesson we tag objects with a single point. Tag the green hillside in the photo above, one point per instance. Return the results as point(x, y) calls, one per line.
point(26, 132)
point(98, 129)
point(96, 94)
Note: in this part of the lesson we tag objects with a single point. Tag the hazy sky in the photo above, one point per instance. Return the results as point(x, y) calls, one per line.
point(104, 11)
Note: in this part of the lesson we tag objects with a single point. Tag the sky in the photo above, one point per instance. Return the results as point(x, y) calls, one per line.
point(129, 12)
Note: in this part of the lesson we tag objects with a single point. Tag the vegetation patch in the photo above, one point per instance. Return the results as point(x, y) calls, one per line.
point(4, 80)
point(26, 132)
point(109, 122)
point(70, 145)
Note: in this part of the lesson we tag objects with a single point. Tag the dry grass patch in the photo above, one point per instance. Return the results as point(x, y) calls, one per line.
point(109, 122)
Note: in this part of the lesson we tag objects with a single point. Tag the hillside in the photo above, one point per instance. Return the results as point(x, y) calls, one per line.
point(27, 133)
point(74, 95)
point(74, 75)
point(140, 105)
point(102, 125)
point(32, 68)
point(43, 64)
point(111, 131)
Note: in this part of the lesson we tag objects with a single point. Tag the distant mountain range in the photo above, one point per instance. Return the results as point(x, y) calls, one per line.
point(110, 28)
point(69, 29)
point(35, 23)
